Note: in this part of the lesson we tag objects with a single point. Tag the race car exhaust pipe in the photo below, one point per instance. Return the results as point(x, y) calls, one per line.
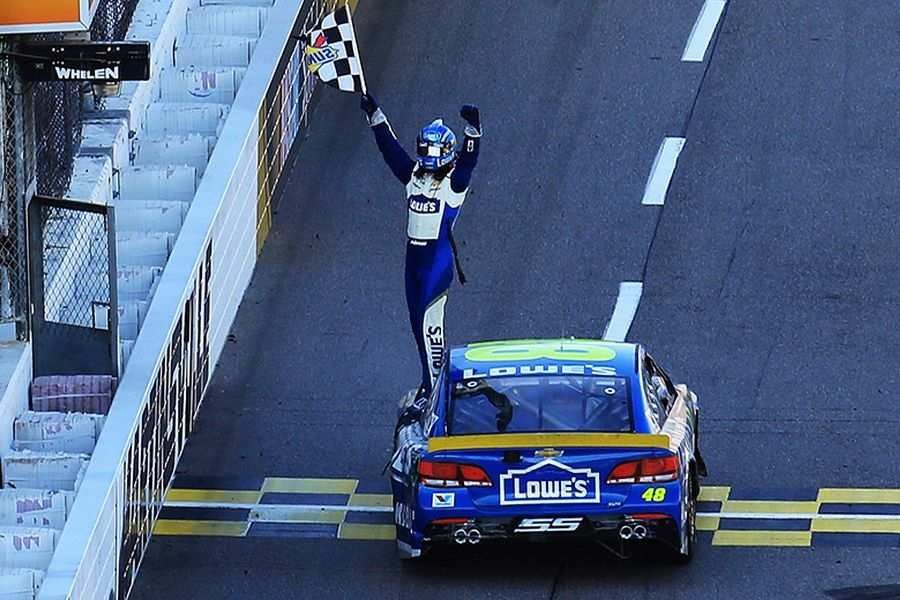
point(460, 536)
point(639, 531)
point(626, 532)
point(474, 536)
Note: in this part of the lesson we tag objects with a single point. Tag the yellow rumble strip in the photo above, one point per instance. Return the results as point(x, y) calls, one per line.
point(733, 537)
point(206, 528)
point(343, 509)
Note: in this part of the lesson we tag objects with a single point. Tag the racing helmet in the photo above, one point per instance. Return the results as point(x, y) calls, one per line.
point(435, 146)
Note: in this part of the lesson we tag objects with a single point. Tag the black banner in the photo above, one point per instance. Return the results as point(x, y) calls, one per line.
point(84, 61)
point(165, 424)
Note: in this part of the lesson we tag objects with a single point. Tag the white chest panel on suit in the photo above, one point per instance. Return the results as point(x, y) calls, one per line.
point(428, 198)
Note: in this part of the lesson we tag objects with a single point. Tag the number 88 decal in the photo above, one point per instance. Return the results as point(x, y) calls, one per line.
point(576, 351)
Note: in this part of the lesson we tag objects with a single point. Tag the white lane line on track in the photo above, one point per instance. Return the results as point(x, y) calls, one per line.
point(264, 507)
point(662, 170)
point(623, 313)
point(702, 33)
point(795, 516)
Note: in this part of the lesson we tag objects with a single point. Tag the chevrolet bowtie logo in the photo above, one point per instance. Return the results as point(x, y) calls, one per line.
point(548, 452)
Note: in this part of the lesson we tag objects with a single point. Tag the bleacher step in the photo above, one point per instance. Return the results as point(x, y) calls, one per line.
point(37, 470)
point(206, 118)
point(158, 182)
point(27, 547)
point(151, 215)
point(190, 149)
point(56, 432)
point(227, 20)
point(206, 49)
point(144, 248)
point(137, 283)
point(20, 584)
point(34, 508)
point(200, 84)
point(131, 318)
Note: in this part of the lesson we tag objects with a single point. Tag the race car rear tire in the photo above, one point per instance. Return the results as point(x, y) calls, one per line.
point(675, 555)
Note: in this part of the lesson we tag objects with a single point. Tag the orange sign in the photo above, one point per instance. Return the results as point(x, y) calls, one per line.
point(40, 16)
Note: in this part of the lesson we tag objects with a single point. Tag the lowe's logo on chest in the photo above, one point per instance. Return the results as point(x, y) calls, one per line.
point(421, 204)
point(550, 482)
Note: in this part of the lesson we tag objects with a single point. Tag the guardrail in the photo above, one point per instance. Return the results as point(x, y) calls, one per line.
point(157, 400)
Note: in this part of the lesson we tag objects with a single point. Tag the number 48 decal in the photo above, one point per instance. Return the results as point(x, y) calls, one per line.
point(654, 494)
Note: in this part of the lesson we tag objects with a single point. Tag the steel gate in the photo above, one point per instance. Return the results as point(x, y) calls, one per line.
point(72, 268)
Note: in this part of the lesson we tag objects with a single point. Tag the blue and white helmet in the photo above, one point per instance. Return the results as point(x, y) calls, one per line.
point(435, 146)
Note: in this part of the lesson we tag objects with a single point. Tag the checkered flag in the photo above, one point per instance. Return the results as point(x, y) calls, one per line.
point(331, 52)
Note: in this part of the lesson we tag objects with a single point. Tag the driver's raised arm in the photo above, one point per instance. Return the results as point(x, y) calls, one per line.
point(394, 155)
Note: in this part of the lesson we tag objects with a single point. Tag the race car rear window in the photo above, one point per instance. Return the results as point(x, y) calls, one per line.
point(554, 403)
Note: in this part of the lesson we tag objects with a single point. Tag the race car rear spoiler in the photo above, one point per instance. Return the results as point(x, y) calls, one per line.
point(504, 441)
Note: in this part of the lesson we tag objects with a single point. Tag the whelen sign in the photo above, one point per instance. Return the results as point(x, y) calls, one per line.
point(42, 16)
point(84, 61)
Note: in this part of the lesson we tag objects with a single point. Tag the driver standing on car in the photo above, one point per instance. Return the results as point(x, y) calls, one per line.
point(436, 186)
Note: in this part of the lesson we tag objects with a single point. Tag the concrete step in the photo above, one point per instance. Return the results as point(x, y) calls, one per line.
point(27, 547)
point(34, 508)
point(227, 20)
point(200, 84)
point(20, 584)
point(137, 282)
point(192, 150)
point(221, 50)
point(150, 215)
point(125, 348)
point(158, 182)
point(42, 470)
point(144, 248)
point(56, 431)
point(131, 318)
point(205, 118)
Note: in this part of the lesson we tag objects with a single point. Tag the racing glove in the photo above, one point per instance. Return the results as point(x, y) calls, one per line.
point(471, 115)
point(368, 104)
point(373, 112)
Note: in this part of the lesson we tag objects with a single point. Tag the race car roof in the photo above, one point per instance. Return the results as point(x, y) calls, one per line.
point(506, 357)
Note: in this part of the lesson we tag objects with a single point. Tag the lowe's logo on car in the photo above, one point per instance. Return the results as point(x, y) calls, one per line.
point(511, 370)
point(549, 482)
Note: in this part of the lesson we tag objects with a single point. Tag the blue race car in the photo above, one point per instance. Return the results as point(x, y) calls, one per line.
point(548, 439)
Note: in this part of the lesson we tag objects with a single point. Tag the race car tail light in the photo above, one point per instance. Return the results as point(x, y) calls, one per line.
point(649, 516)
point(451, 521)
point(646, 470)
point(446, 474)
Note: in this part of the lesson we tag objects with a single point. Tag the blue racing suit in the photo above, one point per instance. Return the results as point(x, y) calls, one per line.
point(434, 200)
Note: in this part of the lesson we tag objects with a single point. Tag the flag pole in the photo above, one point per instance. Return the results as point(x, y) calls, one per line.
point(362, 72)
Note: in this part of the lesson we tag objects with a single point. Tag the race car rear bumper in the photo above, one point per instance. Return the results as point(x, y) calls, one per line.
point(617, 532)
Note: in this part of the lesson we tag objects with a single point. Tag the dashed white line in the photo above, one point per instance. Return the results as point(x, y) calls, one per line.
point(623, 313)
point(663, 168)
point(702, 33)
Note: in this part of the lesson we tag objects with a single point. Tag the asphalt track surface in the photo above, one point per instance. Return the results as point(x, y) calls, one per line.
point(771, 277)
